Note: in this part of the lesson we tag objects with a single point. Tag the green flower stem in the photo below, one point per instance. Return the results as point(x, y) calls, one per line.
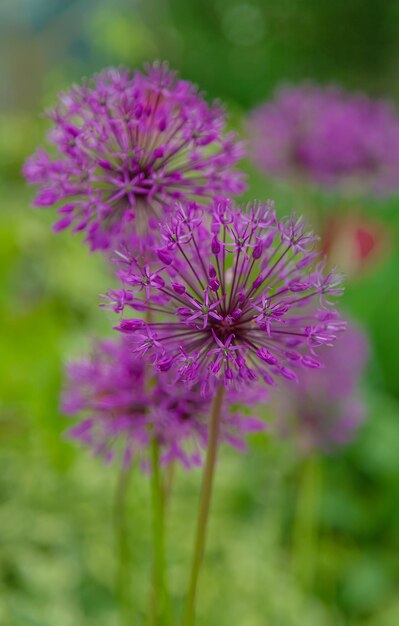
point(169, 478)
point(204, 506)
point(123, 581)
point(306, 521)
point(160, 607)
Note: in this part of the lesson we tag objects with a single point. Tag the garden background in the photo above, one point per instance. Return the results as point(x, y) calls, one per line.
point(341, 568)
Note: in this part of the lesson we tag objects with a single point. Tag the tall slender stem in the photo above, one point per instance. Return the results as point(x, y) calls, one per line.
point(159, 603)
point(306, 521)
point(204, 506)
point(122, 547)
point(168, 482)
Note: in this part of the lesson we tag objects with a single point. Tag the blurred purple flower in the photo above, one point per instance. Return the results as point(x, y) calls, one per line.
point(328, 137)
point(125, 148)
point(121, 407)
point(326, 408)
point(241, 298)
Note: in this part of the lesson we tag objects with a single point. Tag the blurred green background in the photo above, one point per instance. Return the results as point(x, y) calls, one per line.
point(56, 557)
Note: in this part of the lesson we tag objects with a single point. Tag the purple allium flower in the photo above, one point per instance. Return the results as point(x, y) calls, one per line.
point(121, 406)
point(125, 147)
point(238, 298)
point(328, 137)
point(326, 408)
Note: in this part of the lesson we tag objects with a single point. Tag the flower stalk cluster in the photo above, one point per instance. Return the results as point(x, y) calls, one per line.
point(217, 302)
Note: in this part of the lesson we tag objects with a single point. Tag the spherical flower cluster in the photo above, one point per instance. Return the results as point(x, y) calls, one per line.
point(125, 148)
point(326, 408)
point(236, 299)
point(328, 137)
point(121, 405)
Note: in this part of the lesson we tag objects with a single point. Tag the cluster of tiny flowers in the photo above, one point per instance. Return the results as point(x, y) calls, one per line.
point(125, 147)
point(329, 137)
point(236, 297)
point(122, 407)
point(210, 293)
point(326, 409)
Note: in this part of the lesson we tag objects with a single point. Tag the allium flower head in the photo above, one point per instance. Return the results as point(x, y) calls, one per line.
point(125, 147)
point(326, 408)
point(328, 137)
point(237, 299)
point(120, 405)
